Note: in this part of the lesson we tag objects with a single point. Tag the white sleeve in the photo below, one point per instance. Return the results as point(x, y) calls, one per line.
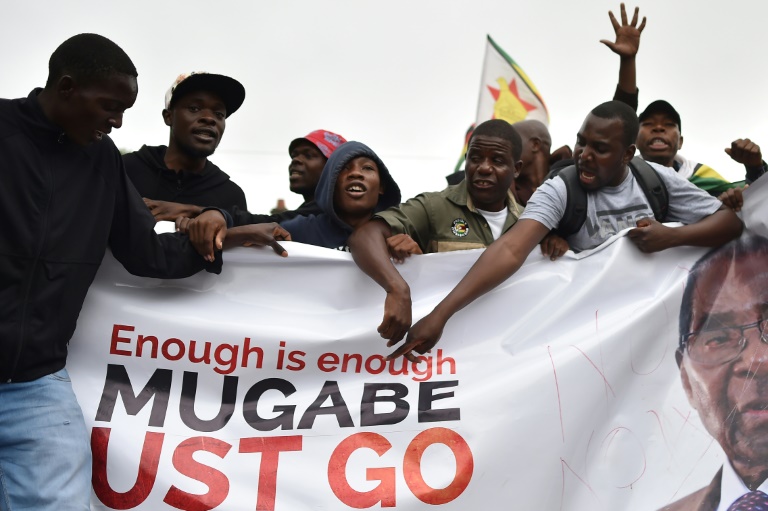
point(687, 203)
point(547, 204)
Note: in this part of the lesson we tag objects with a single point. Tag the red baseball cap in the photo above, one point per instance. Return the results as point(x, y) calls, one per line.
point(325, 141)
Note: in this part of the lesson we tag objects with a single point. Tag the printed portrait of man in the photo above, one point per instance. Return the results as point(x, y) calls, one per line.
point(723, 361)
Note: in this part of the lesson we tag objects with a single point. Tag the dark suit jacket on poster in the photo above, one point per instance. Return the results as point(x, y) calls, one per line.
point(705, 499)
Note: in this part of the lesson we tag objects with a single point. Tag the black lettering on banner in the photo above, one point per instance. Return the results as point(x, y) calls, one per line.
point(368, 415)
point(284, 419)
point(117, 383)
point(338, 407)
point(187, 404)
point(427, 397)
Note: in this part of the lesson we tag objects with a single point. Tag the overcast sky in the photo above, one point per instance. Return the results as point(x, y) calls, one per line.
point(403, 76)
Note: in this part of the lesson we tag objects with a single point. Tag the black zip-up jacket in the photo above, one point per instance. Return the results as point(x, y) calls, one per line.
point(61, 205)
point(211, 187)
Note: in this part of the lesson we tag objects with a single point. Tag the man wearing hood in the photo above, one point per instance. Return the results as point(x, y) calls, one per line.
point(353, 186)
point(179, 180)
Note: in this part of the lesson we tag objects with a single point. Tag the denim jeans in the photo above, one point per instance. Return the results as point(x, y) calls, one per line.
point(45, 455)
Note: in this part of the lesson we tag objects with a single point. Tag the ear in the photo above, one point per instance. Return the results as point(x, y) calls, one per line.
point(65, 87)
point(685, 380)
point(680, 145)
point(679, 357)
point(167, 116)
point(629, 153)
point(535, 144)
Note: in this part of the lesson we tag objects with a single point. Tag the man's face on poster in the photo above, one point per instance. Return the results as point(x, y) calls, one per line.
point(724, 358)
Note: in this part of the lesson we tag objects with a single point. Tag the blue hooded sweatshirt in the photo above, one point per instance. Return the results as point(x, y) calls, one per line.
point(326, 229)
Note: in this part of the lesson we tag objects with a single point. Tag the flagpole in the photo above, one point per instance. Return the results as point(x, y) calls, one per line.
point(482, 77)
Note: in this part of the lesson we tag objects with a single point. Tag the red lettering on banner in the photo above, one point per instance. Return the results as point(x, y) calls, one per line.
point(327, 362)
point(295, 358)
point(384, 491)
point(218, 484)
point(377, 364)
point(145, 480)
point(205, 357)
point(166, 349)
point(465, 465)
point(270, 449)
point(226, 356)
point(113, 350)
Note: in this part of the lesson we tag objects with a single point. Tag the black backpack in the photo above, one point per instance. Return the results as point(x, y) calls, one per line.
point(576, 204)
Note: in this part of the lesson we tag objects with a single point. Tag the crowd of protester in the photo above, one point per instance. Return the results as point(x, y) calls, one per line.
point(513, 195)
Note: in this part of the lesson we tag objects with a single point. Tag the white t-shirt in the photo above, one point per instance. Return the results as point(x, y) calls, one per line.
point(613, 209)
point(732, 487)
point(495, 220)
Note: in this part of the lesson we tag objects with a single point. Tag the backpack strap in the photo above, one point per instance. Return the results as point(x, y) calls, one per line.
point(576, 202)
point(652, 185)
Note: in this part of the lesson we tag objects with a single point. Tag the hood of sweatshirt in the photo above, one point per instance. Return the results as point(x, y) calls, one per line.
point(326, 186)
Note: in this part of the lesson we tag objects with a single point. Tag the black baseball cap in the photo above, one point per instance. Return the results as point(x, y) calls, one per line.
point(230, 90)
point(661, 106)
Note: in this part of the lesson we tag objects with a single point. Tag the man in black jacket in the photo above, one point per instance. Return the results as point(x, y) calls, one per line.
point(64, 199)
point(180, 180)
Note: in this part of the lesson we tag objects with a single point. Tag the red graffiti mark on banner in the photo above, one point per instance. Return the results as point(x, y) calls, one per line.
point(644, 349)
point(690, 472)
point(609, 438)
point(602, 375)
point(563, 466)
point(557, 389)
point(663, 433)
point(686, 421)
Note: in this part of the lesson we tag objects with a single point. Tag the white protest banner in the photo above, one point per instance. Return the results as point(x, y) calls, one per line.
point(266, 387)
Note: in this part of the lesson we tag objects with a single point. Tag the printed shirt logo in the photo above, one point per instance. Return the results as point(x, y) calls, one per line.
point(460, 228)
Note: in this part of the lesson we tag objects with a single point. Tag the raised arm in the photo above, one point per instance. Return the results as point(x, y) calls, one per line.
point(499, 261)
point(368, 245)
point(626, 45)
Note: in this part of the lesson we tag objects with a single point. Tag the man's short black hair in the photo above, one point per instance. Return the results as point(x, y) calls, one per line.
point(85, 57)
point(500, 128)
point(623, 112)
point(732, 251)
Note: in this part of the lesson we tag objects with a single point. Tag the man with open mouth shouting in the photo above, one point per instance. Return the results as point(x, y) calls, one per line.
point(179, 180)
point(604, 147)
point(353, 186)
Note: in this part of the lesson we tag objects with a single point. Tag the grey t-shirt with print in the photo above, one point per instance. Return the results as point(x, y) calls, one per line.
point(613, 209)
